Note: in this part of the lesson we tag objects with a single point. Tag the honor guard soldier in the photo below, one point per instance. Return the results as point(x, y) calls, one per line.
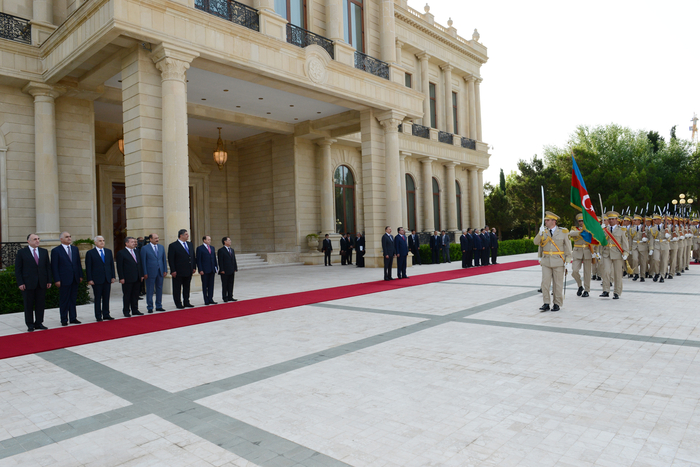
point(660, 249)
point(555, 248)
point(674, 248)
point(626, 224)
point(583, 255)
point(614, 256)
point(695, 230)
point(639, 248)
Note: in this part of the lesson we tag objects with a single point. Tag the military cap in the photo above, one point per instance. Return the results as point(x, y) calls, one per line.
point(550, 215)
point(579, 217)
point(612, 215)
point(637, 217)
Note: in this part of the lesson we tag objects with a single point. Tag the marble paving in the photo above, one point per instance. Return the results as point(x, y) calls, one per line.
point(464, 372)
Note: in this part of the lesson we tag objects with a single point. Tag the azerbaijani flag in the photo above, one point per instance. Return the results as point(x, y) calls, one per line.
point(592, 231)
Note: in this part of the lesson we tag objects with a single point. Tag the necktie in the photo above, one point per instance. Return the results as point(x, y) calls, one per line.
point(229, 252)
point(133, 255)
point(186, 249)
point(102, 253)
point(208, 249)
point(551, 232)
point(155, 250)
point(68, 253)
point(36, 257)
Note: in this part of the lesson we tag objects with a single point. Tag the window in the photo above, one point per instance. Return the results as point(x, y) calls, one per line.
point(458, 190)
point(409, 80)
point(353, 24)
point(436, 204)
point(344, 200)
point(294, 11)
point(433, 106)
point(411, 202)
point(454, 113)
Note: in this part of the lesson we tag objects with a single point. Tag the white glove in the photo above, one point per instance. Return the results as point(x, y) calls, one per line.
point(668, 235)
point(624, 257)
point(651, 252)
point(539, 260)
point(567, 266)
point(542, 229)
point(597, 255)
point(644, 239)
point(688, 235)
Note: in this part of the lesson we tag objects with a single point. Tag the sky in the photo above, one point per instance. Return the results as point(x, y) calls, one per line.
point(555, 65)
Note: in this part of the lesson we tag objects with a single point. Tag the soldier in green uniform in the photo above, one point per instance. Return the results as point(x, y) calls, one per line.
point(583, 255)
point(614, 257)
point(555, 247)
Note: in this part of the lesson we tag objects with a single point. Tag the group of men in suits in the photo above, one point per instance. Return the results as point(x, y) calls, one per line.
point(394, 247)
point(478, 246)
point(440, 247)
point(347, 245)
point(34, 273)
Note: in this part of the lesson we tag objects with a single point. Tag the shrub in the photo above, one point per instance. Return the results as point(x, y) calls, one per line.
point(11, 300)
point(505, 248)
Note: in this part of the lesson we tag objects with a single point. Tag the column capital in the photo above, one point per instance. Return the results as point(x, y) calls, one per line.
point(447, 67)
point(469, 77)
point(478, 81)
point(172, 61)
point(326, 142)
point(391, 120)
point(43, 90)
point(399, 43)
point(428, 159)
point(450, 164)
point(405, 153)
point(423, 56)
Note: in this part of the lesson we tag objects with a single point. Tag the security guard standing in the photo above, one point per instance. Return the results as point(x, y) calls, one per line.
point(583, 255)
point(555, 247)
point(614, 256)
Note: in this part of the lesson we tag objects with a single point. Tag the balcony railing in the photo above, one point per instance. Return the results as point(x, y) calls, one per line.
point(445, 137)
point(232, 11)
point(468, 143)
point(371, 65)
point(303, 38)
point(420, 131)
point(15, 28)
point(8, 253)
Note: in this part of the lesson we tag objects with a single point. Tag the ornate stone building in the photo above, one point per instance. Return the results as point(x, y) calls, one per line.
point(336, 115)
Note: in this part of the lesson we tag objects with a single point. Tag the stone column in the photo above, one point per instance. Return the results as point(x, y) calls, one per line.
point(451, 192)
point(474, 198)
point(482, 210)
point(428, 215)
point(45, 160)
point(462, 112)
point(265, 5)
point(388, 32)
point(334, 20)
point(327, 188)
point(404, 205)
point(425, 87)
point(173, 64)
point(472, 106)
point(42, 11)
point(449, 119)
point(399, 46)
point(477, 105)
point(394, 207)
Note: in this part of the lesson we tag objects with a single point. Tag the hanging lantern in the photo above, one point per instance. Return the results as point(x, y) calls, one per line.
point(220, 155)
point(120, 143)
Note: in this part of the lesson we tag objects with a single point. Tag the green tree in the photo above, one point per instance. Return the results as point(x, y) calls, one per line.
point(502, 180)
point(498, 209)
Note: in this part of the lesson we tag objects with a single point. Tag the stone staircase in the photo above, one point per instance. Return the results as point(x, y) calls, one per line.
point(254, 261)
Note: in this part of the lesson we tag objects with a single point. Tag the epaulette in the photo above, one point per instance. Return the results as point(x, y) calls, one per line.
point(565, 230)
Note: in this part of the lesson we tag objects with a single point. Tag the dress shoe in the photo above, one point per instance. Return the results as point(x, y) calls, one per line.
point(30, 329)
point(137, 313)
point(641, 279)
point(99, 320)
point(687, 268)
point(624, 273)
point(598, 278)
point(539, 290)
point(189, 305)
point(141, 297)
point(678, 273)
point(545, 307)
point(74, 321)
point(64, 324)
point(615, 296)
point(234, 300)
point(593, 277)
point(580, 291)
point(127, 315)
point(555, 307)
point(180, 307)
point(150, 311)
point(40, 326)
point(661, 280)
point(604, 294)
point(160, 309)
point(584, 294)
point(656, 278)
point(669, 277)
point(108, 318)
point(213, 303)
point(405, 277)
point(636, 276)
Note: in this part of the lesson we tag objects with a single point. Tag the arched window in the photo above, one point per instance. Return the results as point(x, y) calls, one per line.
point(458, 190)
point(344, 200)
point(411, 202)
point(436, 204)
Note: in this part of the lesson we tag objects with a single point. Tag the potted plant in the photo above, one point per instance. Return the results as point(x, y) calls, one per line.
point(84, 244)
point(312, 240)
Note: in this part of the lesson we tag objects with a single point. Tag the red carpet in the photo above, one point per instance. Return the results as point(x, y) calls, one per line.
point(41, 341)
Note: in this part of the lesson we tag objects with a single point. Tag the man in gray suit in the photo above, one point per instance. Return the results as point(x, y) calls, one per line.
point(154, 270)
point(445, 248)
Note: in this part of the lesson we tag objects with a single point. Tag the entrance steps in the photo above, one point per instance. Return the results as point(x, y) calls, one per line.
point(256, 261)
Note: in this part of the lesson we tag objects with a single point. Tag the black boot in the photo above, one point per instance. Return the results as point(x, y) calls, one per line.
point(636, 276)
point(656, 278)
point(580, 291)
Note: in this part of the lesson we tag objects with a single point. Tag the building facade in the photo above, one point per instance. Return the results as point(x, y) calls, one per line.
point(335, 116)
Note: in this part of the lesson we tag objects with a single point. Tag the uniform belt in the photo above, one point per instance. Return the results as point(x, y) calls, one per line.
point(560, 253)
point(580, 246)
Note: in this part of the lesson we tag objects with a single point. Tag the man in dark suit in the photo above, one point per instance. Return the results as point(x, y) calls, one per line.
point(349, 245)
point(140, 242)
point(485, 247)
point(494, 246)
point(343, 251)
point(414, 246)
point(360, 250)
point(227, 269)
point(327, 248)
point(33, 274)
point(464, 247)
point(477, 247)
point(99, 269)
point(445, 238)
point(130, 276)
point(154, 271)
point(435, 247)
point(207, 265)
point(67, 274)
point(183, 264)
point(401, 250)
point(388, 252)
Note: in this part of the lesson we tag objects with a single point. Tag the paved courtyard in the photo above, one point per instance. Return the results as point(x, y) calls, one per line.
point(464, 372)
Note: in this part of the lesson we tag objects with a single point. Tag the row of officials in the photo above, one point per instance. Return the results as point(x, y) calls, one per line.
point(36, 273)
